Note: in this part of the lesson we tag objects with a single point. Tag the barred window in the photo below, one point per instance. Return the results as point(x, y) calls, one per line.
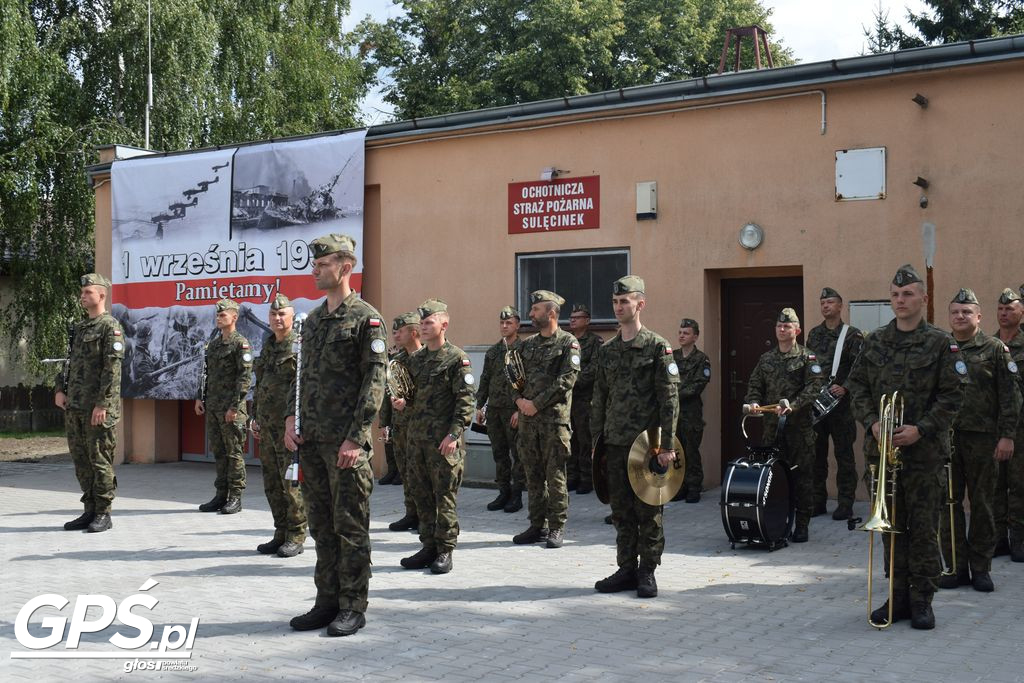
point(578, 276)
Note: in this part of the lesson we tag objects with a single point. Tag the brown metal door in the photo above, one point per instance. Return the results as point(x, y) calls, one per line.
point(749, 310)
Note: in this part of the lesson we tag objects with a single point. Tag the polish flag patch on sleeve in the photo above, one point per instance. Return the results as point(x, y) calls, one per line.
point(117, 333)
point(954, 348)
point(465, 362)
point(374, 322)
point(811, 356)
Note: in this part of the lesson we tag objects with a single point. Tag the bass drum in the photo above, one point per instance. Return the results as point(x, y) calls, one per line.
point(757, 502)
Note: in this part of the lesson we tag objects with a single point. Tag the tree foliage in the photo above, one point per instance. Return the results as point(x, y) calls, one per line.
point(442, 56)
point(73, 76)
point(946, 21)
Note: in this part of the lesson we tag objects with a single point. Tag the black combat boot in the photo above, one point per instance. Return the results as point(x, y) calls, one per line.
point(100, 523)
point(819, 509)
point(515, 501)
point(231, 506)
point(387, 478)
point(982, 581)
point(622, 580)
point(397, 481)
point(800, 533)
point(571, 483)
point(843, 512)
point(80, 522)
point(318, 617)
point(585, 487)
point(214, 504)
point(609, 520)
point(405, 523)
point(290, 549)
point(961, 578)
point(1002, 547)
point(683, 492)
point(499, 502)
point(693, 496)
point(646, 586)
point(423, 558)
point(921, 614)
point(555, 538)
point(1017, 550)
point(531, 535)
point(442, 564)
point(346, 623)
point(900, 608)
point(270, 547)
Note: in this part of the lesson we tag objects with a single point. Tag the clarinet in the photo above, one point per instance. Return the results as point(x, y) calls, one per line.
point(293, 474)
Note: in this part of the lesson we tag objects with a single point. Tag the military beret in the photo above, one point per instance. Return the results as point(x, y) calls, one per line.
point(906, 275)
point(410, 318)
point(581, 308)
point(1008, 296)
point(691, 323)
point(333, 243)
point(432, 306)
point(628, 284)
point(280, 301)
point(544, 295)
point(509, 312)
point(95, 279)
point(965, 296)
point(227, 305)
point(788, 315)
point(829, 293)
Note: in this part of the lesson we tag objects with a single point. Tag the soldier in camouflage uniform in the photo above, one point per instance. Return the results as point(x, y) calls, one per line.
point(439, 413)
point(406, 331)
point(920, 362)
point(1008, 505)
point(344, 356)
point(501, 416)
point(275, 371)
point(983, 434)
point(89, 391)
point(551, 361)
point(578, 470)
point(792, 372)
point(636, 388)
point(694, 375)
point(838, 424)
point(222, 400)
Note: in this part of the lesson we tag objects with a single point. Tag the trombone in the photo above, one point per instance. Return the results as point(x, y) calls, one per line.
point(883, 476)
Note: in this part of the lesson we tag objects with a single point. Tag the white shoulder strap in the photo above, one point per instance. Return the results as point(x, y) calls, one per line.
point(839, 350)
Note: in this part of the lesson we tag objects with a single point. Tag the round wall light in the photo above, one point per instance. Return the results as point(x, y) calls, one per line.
point(751, 236)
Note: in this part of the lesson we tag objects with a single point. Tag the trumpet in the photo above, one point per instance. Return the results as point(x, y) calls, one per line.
point(883, 476)
point(400, 384)
point(514, 368)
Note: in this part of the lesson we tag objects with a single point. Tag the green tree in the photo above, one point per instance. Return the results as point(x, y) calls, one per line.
point(73, 76)
point(886, 36)
point(441, 56)
point(951, 21)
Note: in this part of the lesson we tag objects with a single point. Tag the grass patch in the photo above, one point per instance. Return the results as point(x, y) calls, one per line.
point(31, 435)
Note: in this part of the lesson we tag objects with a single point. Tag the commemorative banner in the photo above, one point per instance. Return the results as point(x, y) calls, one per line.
point(191, 229)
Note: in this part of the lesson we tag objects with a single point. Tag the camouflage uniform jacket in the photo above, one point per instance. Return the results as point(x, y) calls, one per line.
point(551, 364)
point(921, 365)
point(823, 341)
point(93, 375)
point(443, 403)
point(275, 371)
point(794, 375)
point(389, 417)
point(583, 390)
point(635, 389)
point(694, 375)
point(1016, 346)
point(228, 372)
point(495, 390)
point(344, 353)
point(991, 395)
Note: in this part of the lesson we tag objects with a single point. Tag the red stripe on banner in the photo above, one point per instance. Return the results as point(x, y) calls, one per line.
point(206, 292)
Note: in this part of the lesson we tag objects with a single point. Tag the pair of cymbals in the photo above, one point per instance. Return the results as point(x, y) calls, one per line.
point(651, 483)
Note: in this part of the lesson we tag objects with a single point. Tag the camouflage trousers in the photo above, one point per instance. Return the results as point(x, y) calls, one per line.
point(920, 492)
point(285, 500)
point(544, 448)
point(841, 427)
point(227, 441)
point(436, 479)
point(400, 446)
point(974, 475)
point(389, 456)
point(638, 529)
point(580, 447)
point(92, 450)
point(1008, 504)
point(690, 437)
point(508, 467)
point(798, 450)
point(338, 507)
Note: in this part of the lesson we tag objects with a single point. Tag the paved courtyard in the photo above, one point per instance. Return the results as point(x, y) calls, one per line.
point(505, 612)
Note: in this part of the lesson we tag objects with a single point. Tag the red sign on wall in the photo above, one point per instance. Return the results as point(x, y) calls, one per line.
point(560, 204)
